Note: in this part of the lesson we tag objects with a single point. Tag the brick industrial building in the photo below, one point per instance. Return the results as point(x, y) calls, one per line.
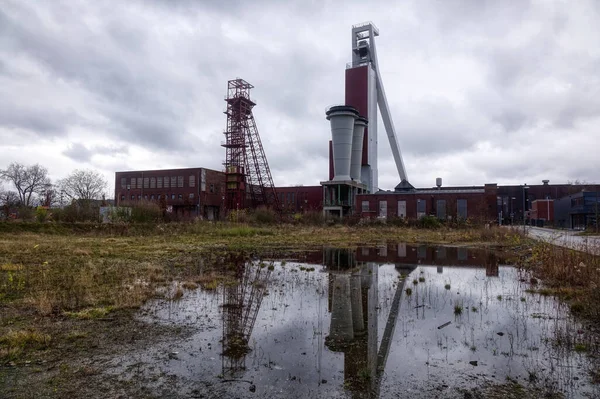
point(506, 204)
point(190, 192)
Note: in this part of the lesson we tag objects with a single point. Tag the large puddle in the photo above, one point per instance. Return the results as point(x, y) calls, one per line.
point(393, 321)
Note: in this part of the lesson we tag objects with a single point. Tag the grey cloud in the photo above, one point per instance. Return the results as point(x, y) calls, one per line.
point(154, 74)
point(81, 153)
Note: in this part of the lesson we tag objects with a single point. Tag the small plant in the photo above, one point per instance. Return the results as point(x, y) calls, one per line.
point(408, 291)
point(447, 286)
point(415, 281)
point(523, 299)
point(499, 297)
point(458, 309)
point(474, 309)
point(271, 267)
point(473, 348)
point(580, 348)
point(178, 293)
point(421, 279)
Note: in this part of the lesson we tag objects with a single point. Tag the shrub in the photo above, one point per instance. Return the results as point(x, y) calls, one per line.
point(429, 222)
point(146, 212)
point(265, 216)
point(41, 214)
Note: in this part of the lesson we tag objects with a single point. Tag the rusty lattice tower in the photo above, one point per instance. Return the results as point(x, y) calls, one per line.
point(249, 181)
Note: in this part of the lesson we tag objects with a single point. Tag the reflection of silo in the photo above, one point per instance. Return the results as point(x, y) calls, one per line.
point(357, 147)
point(357, 306)
point(341, 330)
point(341, 118)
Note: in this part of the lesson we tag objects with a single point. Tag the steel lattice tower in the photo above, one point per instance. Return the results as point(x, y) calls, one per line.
point(249, 181)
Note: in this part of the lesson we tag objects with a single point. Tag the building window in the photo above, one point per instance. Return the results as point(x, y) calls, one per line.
point(172, 196)
point(145, 196)
point(461, 209)
point(166, 182)
point(191, 195)
point(192, 181)
point(153, 182)
point(294, 199)
point(158, 196)
point(133, 197)
point(152, 197)
point(173, 181)
point(180, 196)
point(133, 183)
point(122, 198)
point(401, 209)
point(123, 182)
point(146, 182)
point(212, 188)
point(159, 182)
point(441, 209)
point(139, 197)
point(139, 182)
point(420, 208)
point(383, 209)
point(365, 206)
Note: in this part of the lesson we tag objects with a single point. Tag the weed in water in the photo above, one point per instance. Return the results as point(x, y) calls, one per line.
point(474, 309)
point(580, 348)
point(178, 293)
point(499, 297)
point(421, 279)
point(447, 286)
point(408, 291)
point(458, 309)
point(415, 281)
point(271, 267)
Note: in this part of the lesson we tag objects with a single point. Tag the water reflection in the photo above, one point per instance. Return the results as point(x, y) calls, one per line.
point(343, 323)
point(241, 303)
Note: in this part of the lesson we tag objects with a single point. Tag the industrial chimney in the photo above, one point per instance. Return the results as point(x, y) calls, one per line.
point(438, 182)
point(341, 118)
point(357, 148)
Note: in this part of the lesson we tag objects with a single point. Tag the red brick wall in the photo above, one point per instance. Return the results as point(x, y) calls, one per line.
point(478, 205)
point(305, 198)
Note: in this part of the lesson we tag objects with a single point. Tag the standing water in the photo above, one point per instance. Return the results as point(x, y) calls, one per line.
point(392, 321)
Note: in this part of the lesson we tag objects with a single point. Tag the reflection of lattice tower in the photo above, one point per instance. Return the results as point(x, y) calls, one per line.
point(249, 181)
point(241, 304)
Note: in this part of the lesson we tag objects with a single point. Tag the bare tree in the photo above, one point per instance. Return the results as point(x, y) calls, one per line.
point(83, 185)
point(8, 199)
point(27, 180)
point(49, 195)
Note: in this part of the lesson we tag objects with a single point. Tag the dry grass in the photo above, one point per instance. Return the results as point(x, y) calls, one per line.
point(569, 274)
point(14, 342)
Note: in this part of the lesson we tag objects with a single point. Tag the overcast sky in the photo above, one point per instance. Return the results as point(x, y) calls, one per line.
point(479, 91)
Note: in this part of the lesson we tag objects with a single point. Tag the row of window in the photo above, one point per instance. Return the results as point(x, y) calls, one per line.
point(461, 208)
point(156, 197)
point(157, 182)
point(289, 198)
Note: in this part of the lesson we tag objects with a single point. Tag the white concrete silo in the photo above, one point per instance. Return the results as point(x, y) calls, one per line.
point(341, 118)
point(357, 148)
